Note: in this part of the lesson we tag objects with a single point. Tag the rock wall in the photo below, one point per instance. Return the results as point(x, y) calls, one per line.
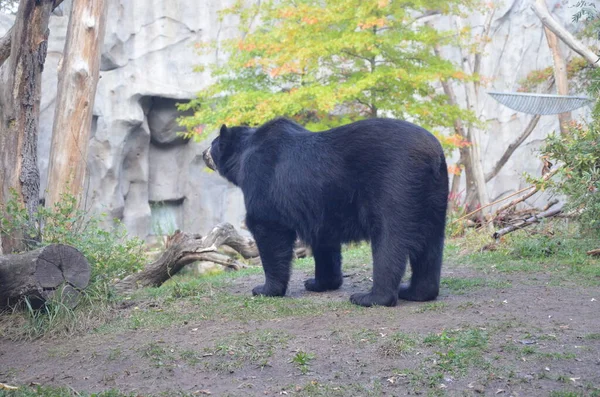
point(141, 172)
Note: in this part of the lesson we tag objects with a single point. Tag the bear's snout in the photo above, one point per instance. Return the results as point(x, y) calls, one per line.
point(208, 160)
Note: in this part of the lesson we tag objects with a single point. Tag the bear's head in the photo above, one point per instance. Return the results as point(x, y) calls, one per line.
point(226, 150)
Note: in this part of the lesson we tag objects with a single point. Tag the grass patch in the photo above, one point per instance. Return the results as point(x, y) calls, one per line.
point(57, 319)
point(302, 360)
point(460, 286)
point(159, 354)
point(422, 381)
point(561, 254)
point(431, 307)
point(397, 345)
point(558, 356)
point(458, 350)
point(365, 335)
point(186, 299)
point(246, 349)
point(37, 391)
point(223, 306)
point(315, 389)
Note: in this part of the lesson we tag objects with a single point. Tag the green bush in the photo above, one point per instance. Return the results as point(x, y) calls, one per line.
point(111, 253)
point(577, 153)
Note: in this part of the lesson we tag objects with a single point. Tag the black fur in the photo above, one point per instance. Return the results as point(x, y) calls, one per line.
point(381, 180)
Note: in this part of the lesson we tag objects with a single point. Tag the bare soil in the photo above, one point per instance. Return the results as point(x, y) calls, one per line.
point(508, 334)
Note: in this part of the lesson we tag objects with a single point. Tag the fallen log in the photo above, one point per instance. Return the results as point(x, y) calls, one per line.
point(526, 222)
point(56, 270)
point(183, 249)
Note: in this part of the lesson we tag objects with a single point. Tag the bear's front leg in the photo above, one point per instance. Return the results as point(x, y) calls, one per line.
point(275, 246)
point(328, 269)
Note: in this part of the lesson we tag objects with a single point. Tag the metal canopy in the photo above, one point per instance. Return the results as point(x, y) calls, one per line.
point(539, 103)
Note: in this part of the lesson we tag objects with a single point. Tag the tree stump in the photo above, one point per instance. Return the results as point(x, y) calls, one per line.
point(43, 273)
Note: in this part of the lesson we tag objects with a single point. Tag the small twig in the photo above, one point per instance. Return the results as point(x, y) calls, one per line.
point(490, 204)
point(550, 204)
point(525, 196)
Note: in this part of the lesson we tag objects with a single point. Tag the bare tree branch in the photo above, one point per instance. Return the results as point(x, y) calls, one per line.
point(427, 14)
point(6, 40)
point(512, 147)
point(541, 10)
point(526, 196)
point(5, 43)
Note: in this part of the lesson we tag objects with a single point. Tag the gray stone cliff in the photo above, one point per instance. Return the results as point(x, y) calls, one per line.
point(142, 172)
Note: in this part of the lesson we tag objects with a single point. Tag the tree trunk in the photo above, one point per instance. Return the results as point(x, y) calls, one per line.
point(470, 156)
point(79, 70)
point(560, 76)
point(20, 80)
point(541, 10)
point(40, 274)
point(466, 155)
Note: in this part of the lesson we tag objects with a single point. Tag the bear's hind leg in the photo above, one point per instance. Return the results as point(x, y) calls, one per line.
point(426, 270)
point(389, 264)
point(275, 245)
point(328, 269)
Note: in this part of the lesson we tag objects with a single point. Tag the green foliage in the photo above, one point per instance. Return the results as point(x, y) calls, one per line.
point(556, 248)
point(458, 349)
point(578, 154)
point(577, 70)
point(302, 360)
point(48, 391)
point(48, 317)
point(586, 10)
point(111, 253)
point(398, 344)
point(326, 63)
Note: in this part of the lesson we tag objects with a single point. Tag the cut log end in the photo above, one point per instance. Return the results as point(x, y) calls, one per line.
point(56, 271)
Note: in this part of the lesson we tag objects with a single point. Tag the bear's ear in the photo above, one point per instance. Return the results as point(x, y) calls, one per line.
point(225, 133)
point(224, 130)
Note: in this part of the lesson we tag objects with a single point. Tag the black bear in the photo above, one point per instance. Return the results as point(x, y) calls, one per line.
point(381, 180)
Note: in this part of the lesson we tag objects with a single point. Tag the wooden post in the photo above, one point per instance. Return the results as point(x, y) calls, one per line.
point(78, 78)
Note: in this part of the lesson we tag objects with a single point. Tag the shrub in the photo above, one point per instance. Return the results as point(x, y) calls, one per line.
point(578, 154)
point(111, 253)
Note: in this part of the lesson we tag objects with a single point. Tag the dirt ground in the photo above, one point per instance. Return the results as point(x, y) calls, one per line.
point(496, 334)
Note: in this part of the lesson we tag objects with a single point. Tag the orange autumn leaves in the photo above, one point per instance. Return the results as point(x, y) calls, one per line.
point(454, 141)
